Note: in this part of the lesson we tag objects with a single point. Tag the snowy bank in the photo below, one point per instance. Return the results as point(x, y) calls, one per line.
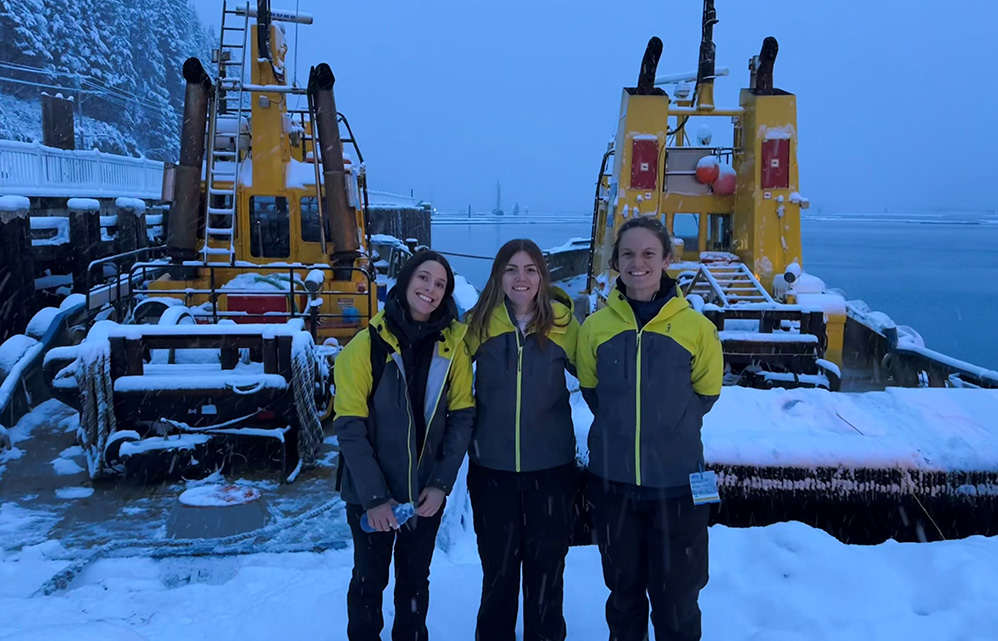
point(785, 582)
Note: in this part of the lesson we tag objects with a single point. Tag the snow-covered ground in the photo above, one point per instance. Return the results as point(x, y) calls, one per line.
point(784, 582)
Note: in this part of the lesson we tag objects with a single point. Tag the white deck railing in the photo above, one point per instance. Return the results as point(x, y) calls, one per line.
point(32, 169)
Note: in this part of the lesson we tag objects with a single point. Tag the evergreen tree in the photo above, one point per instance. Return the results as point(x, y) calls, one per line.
point(116, 22)
point(157, 120)
point(126, 56)
point(23, 41)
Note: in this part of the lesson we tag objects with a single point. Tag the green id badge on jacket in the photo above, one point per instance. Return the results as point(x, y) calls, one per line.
point(704, 487)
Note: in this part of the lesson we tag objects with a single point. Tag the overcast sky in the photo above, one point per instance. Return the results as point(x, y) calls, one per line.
point(897, 100)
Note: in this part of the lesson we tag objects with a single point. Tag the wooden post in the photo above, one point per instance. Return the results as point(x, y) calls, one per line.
point(84, 237)
point(17, 272)
point(131, 228)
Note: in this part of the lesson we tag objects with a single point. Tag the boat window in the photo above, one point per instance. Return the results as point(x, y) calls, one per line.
point(310, 231)
point(270, 227)
point(687, 227)
point(719, 232)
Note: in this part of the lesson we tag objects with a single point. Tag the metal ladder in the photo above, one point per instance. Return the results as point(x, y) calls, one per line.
point(728, 284)
point(223, 165)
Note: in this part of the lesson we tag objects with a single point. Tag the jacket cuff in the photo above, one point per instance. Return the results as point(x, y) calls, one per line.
point(375, 502)
point(708, 401)
point(441, 485)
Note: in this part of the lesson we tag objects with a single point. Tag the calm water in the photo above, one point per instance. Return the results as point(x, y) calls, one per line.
point(935, 273)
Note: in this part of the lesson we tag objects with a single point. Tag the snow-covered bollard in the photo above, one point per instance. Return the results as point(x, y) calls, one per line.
point(84, 234)
point(131, 224)
point(216, 511)
point(12, 207)
point(16, 264)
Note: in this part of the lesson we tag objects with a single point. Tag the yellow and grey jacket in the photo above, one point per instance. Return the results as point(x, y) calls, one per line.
point(523, 418)
point(649, 390)
point(375, 429)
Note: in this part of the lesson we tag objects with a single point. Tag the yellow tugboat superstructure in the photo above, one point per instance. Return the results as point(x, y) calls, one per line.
point(734, 212)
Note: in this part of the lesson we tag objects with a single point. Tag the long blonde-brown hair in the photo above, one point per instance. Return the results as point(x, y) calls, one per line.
point(493, 295)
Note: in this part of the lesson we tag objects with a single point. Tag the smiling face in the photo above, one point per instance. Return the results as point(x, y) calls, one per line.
point(641, 262)
point(520, 281)
point(426, 289)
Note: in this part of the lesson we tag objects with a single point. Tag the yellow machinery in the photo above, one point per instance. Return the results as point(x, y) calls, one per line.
point(225, 349)
point(266, 242)
point(734, 212)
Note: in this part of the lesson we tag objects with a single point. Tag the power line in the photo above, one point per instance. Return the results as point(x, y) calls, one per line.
point(124, 98)
point(115, 101)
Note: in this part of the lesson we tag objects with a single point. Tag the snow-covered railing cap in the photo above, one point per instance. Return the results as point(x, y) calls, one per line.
point(135, 205)
point(13, 207)
point(83, 204)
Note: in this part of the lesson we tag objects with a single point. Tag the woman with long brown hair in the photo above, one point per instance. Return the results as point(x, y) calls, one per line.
point(521, 475)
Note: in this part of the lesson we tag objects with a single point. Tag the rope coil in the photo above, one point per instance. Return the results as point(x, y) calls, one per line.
point(97, 419)
point(304, 373)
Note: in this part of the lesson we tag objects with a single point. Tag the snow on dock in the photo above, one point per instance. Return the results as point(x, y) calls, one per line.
point(927, 429)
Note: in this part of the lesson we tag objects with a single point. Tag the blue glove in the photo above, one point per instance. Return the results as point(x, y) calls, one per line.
point(403, 512)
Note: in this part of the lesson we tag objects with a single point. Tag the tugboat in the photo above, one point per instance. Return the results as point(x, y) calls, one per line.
point(222, 351)
point(868, 462)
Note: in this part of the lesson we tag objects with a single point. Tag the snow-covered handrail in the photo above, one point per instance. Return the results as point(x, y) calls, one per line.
point(32, 169)
point(32, 358)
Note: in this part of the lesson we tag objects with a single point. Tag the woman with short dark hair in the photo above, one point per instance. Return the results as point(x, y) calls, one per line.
point(650, 368)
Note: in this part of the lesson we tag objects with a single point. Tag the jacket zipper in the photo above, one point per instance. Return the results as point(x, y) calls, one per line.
point(637, 395)
point(408, 436)
point(519, 384)
point(426, 437)
point(637, 429)
point(637, 399)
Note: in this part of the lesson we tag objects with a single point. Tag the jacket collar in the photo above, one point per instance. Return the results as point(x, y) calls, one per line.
point(502, 315)
point(617, 302)
point(453, 333)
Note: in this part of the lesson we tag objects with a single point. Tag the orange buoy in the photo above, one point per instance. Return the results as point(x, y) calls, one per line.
point(726, 181)
point(707, 170)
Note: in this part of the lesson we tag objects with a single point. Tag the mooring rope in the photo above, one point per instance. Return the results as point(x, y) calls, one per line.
point(466, 255)
point(909, 484)
point(97, 419)
point(303, 372)
point(180, 547)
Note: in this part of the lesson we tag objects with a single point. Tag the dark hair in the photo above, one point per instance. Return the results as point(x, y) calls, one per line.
point(493, 296)
point(409, 268)
point(652, 224)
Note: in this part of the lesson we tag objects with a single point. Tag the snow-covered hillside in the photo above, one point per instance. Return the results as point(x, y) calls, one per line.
point(21, 119)
point(120, 59)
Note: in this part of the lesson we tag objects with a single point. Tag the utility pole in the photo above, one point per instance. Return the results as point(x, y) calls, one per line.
point(79, 110)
